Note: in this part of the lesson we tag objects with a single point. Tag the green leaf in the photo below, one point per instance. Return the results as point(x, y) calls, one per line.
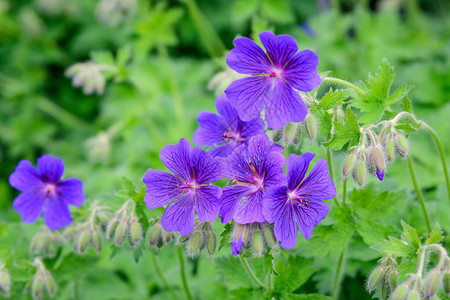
point(128, 186)
point(225, 235)
point(269, 264)
point(410, 234)
point(246, 293)
point(345, 134)
point(305, 297)
point(333, 99)
point(102, 57)
point(371, 232)
point(324, 121)
point(396, 247)
point(231, 269)
point(436, 235)
point(293, 272)
point(399, 94)
point(407, 105)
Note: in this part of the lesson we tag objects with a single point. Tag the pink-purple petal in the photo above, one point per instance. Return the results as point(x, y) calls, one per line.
point(29, 205)
point(176, 158)
point(162, 188)
point(210, 131)
point(205, 167)
point(236, 245)
point(51, 168)
point(301, 71)
point(25, 177)
point(247, 57)
point(318, 184)
point(56, 214)
point(207, 203)
point(250, 208)
point(280, 49)
point(179, 215)
point(310, 215)
point(231, 196)
point(71, 192)
point(297, 166)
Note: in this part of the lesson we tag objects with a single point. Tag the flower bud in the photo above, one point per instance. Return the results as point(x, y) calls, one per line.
point(5, 282)
point(52, 247)
point(390, 150)
point(70, 231)
point(111, 228)
point(154, 235)
point(375, 278)
point(378, 158)
point(120, 233)
point(50, 284)
point(83, 241)
point(194, 242)
point(238, 230)
point(402, 146)
point(277, 134)
point(97, 242)
point(349, 164)
point(258, 245)
point(432, 282)
point(414, 295)
point(361, 172)
point(211, 243)
point(166, 236)
point(103, 218)
point(290, 131)
point(135, 232)
point(446, 282)
point(400, 292)
point(311, 126)
point(269, 236)
point(385, 290)
point(393, 278)
point(37, 287)
point(38, 243)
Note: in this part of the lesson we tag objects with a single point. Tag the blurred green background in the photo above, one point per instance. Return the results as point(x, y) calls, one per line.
point(164, 55)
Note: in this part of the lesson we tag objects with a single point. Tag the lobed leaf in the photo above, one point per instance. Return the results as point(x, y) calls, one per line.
point(293, 272)
point(349, 133)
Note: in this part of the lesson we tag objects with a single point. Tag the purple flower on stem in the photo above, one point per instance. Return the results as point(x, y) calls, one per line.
point(254, 168)
point(188, 190)
point(225, 131)
point(43, 191)
point(299, 204)
point(276, 75)
point(380, 174)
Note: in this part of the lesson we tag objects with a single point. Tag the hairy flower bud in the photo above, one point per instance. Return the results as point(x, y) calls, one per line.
point(70, 231)
point(311, 126)
point(269, 236)
point(111, 228)
point(390, 150)
point(349, 164)
point(446, 282)
point(432, 282)
point(385, 290)
point(37, 287)
point(393, 278)
point(5, 282)
point(400, 292)
point(50, 284)
point(277, 135)
point(414, 295)
point(166, 236)
point(402, 146)
point(375, 278)
point(211, 243)
point(83, 241)
point(97, 242)
point(135, 232)
point(361, 172)
point(194, 242)
point(38, 243)
point(378, 158)
point(103, 218)
point(290, 131)
point(154, 235)
point(258, 244)
point(120, 233)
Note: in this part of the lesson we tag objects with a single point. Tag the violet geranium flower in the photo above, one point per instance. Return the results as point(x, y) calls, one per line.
point(276, 75)
point(225, 131)
point(254, 168)
point(299, 204)
point(43, 191)
point(188, 190)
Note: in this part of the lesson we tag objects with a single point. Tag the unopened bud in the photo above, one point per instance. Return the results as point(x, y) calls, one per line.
point(50, 284)
point(375, 278)
point(414, 295)
point(37, 287)
point(166, 236)
point(269, 236)
point(349, 164)
point(378, 158)
point(70, 231)
point(277, 134)
point(400, 292)
point(154, 235)
point(194, 242)
point(5, 282)
point(446, 282)
point(361, 172)
point(339, 115)
point(83, 242)
point(402, 146)
point(393, 278)
point(257, 242)
point(103, 218)
point(432, 282)
point(38, 243)
point(390, 150)
point(111, 228)
point(135, 232)
point(385, 290)
point(120, 233)
point(238, 230)
point(211, 243)
point(311, 127)
point(97, 240)
point(289, 133)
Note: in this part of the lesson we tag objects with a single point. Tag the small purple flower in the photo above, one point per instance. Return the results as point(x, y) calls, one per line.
point(380, 174)
point(299, 204)
point(254, 168)
point(225, 131)
point(236, 245)
point(188, 190)
point(43, 191)
point(276, 75)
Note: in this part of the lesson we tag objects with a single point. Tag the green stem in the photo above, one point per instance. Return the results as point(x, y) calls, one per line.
point(162, 278)
point(183, 276)
point(337, 277)
point(441, 153)
point(342, 82)
point(419, 194)
point(344, 193)
point(330, 170)
point(250, 271)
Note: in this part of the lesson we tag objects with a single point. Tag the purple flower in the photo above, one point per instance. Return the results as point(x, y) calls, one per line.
point(299, 204)
point(188, 190)
point(254, 168)
point(380, 174)
point(43, 191)
point(236, 245)
point(276, 75)
point(224, 131)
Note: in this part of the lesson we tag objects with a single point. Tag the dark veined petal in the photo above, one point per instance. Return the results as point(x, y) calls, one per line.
point(247, 57)
point(251, 128)
point(318, 184)
point(56, 213)
point(284, 106)
point(250, 207)
point(231, 196)
point(25, 177)
point(248, 95)
point(205, 167)
point(210, 131)
point(280, 49)
point(176, 158)
point(297, 166)
point(51, 168)
point(222, 150)
point(70, 191)
point(179, 215)
point(207, 203)
point(227, 112)
point(301, 71)
point(238, 165)
point(162, 188)
point(310, 215)
point(236, 246)
point(29, 205)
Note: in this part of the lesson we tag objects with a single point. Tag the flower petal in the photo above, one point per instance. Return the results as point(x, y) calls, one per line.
point(56, 213)
point(176, 158)
point(250, 208)
point(297, 166)
point(236, 246)
point(228, 113)
point(179, 215)
point(71, 192)
point(52, 168)
point(162, 188)
point(221, 151)
point(318, 185)
point(301, 71)
point(231, 195)
point(205, 167)
point(207, 203)
point(310, 215)
point(248, 95)
point(25, 177)
point(29, 205)
point(210, 131)
point(247, 57)
point(284, 106)
point(280, 49)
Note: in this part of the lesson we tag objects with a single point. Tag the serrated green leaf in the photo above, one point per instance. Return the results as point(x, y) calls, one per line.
point(293, 272)
point(406, 128)
point(231, 269)
point(269, 264)
point(410, 234)
point(407, 105)
point(225, 235)
point(333, 99)
point(436, 235)
point(128, 186)
point(395, 246)
point(407, 266)
point(371, 232)
point(246, 293)
point(399, 94)
point(349, 133)
point(305, 297)
point(324, 121)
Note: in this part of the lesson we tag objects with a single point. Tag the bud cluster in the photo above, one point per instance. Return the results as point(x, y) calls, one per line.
point(157, 236)
point(45, 243)
point(42, 281)
point(89, 75)
point(113, 12)
point(255, 238)
point(201, 237)
point(125, 225)
point(5, 281)
point(385, 275)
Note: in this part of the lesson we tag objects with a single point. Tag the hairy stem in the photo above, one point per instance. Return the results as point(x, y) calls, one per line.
point(162, 278)
point(183, 275)
point(250, 272)
point(342, 82)
point(344, 192)
point(337, 277)
point(330, 170)
point(419, 194)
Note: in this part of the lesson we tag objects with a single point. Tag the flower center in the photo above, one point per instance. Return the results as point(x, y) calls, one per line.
point(49, 189)
point(293, 197)
point(276, 73)
point(231, 136)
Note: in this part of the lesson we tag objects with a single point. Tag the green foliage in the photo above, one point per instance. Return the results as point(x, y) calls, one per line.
point(290, 277)
point(348, 133)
